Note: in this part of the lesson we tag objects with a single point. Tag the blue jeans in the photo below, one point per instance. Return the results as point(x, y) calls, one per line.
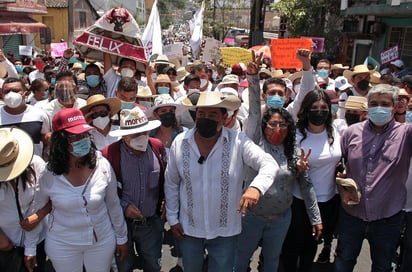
point(147, 238)
point(272, 233)
point(220, 250)
point(382, 235)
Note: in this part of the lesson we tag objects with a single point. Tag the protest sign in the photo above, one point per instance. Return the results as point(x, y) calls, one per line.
point(390, 54)
point(284, 52)
point(25, 50)
point(57, 49)
point(233, 55)
point(211, 51)
point(173, 51)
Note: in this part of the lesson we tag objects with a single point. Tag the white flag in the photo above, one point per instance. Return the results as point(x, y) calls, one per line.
point(152, 35)
point(196, 30)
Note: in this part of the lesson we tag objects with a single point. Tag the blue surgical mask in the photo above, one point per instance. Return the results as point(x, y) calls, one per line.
point(53, 80)
point(380, 115)
point(19, 68)
point(93, 80)
point(163, 90)
point(409, 117)
point(323, 73)
point(146, 104)
point(275, 101)
point(81, 147)
point(127, 105)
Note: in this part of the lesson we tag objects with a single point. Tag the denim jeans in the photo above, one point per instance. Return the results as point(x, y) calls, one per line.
point(382, 235)
point(220, 250)
point(407, 245)
point(147, 238)
point(272, 233)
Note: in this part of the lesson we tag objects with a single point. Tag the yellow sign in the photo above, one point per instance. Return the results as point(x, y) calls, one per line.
point(233, 55)
point(284, 52)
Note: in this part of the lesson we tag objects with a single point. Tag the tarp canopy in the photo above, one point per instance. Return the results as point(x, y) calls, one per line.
point(18, 24)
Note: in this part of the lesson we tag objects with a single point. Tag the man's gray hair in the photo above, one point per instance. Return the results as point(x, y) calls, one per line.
point(384, 89)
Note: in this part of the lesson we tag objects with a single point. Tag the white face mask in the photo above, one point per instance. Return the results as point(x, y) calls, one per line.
point(127, 72)
point(139, 143)
point(13, 100)
point(203, 82)
point(101, 122)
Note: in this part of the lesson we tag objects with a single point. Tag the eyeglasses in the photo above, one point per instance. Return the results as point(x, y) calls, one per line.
point(99, 114)
point(273, 125)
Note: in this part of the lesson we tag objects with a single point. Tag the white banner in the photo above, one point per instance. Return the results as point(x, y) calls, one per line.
point(25, 50)
point(152, 34)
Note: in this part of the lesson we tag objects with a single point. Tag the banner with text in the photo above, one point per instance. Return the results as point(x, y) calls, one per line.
point(284, 52)
point(390, 54)
point(211, 51)
point(233, 55)
point(25, 50)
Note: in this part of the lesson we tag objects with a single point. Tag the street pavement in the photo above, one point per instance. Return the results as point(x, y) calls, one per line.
point(363, 262)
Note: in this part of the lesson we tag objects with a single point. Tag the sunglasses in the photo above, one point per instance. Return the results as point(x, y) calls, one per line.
point(99, 114)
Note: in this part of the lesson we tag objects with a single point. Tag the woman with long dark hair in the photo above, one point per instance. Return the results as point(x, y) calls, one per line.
point(86, 223)
point(315, 132)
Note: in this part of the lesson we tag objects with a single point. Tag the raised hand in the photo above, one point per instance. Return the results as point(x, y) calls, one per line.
point(254, 66)
point(304, 56)
point(303, 164)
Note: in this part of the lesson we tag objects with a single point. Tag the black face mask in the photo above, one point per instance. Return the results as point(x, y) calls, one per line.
point(318, 117)
point(207, 128)
point(352, 118)
point(168, 119)
point(363, 85)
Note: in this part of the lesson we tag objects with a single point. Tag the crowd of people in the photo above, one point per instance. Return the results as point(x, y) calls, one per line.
point(95, 157)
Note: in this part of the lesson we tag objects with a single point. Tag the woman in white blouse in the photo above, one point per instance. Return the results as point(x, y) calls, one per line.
point(86, 224)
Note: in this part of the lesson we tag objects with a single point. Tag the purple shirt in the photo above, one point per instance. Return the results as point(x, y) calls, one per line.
point(140, 179)
point(379, 164)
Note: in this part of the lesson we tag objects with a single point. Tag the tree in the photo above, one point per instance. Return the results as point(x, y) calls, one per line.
point(167, 11)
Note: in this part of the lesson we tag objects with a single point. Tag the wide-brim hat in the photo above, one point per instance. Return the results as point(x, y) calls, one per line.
point(265, 71)
point(375, 77)
point(134, 121)
point(16, 152)
point(347, 186)
point(113, 103)
point(356, 103)
point(215, 100)
point(338, 66)
point(279, 74)
point(403, 92)
point(143, 92)
point(358, 69)
point(190, 65)
point(228, 79)
point(162, 59)
point(181, 74)
point(295, 76)
point(165, 100)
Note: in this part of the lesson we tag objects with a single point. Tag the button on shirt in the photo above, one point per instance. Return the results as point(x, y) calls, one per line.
point(140, 180)
point(379, 163)
point(203, 197)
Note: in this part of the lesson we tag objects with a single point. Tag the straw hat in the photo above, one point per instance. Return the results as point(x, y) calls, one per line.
point(338, 66)
point(279, 74)
point(95, 100)
point(16, 152)
point(190, 65)
point(265, 71)
point(143, 92)
point(295, 76)
point(403, 92)
point(348, 187)
point(216, 100)
point(181, 74)
point(165, 100)
point(356, 103)
point(162, 59)
point(375, 76)
point(228, 79)
point(358, 69)
point(134, 121)
point(162, 78)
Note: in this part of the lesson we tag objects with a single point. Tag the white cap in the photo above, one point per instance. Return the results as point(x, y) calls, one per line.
point(398, 63)
point(342, 83)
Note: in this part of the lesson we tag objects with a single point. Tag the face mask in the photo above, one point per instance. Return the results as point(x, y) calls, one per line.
point(127, 72)
point(323, 73)
point(203, 83)
point(408, 117)
point(296, 88)
point(363, 85)
point(53, 80)
point(13, 100)
point(168, 119)
point(146, 104)
point(352, 118)
point(207, 128)
point(275, 101)
point(46, 95)
point(163, 90)
point(39, 66)
point(275, 138)
point(19, 69)
point(139, 143)
point(93, 80)
point(81, 147)
point(127, 105)
point(101, 122)
point(380, 115)
point(318, 117)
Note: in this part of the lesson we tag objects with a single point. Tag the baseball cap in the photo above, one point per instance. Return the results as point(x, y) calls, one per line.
point(398, 63)
point(70, 120)
point(342, 83)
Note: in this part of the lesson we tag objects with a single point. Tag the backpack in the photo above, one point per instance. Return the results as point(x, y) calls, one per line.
point(112, 154)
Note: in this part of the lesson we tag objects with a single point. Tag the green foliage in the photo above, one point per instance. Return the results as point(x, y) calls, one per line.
point(167, 11)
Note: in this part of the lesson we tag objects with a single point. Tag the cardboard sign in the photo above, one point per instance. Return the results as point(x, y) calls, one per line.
point(25, 50)
point(233, 55)
point(284, 52)
point(173, 51)
point(390, 54)
point(211, 51)
point(57, 49)
point(318, 44)
point(115, 47)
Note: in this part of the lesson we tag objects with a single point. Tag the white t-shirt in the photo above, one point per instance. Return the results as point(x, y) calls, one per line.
point(101, 141)
point(112, 80)
point(54, 106)
point(322, 161)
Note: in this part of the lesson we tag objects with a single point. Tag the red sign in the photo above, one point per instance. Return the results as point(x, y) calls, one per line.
point(115, 47)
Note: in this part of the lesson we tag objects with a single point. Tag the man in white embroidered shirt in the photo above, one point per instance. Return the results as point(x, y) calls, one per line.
point(203, 184)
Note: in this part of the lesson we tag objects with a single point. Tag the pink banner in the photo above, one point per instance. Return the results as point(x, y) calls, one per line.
point(57, 49)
